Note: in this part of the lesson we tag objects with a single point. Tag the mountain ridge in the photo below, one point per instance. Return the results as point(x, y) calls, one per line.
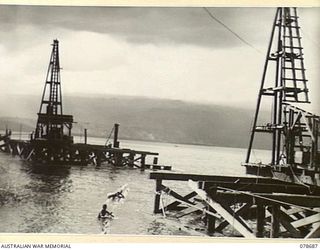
point(141, 118)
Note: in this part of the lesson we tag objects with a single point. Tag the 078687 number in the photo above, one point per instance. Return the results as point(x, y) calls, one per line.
point(309, 246)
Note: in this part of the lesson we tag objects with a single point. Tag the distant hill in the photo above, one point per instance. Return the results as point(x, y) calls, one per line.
point(142, 119)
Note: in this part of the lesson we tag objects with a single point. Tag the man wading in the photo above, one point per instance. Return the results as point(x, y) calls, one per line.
point(104, 213)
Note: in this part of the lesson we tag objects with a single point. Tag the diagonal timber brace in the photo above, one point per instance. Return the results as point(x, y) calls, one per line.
point(237, 223)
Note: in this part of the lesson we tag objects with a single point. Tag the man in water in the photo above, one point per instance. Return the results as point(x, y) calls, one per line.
point(118, 195)
point(104, 213)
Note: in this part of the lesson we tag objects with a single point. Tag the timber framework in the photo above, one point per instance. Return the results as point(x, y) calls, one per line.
point(52, 143)
point(282, 198)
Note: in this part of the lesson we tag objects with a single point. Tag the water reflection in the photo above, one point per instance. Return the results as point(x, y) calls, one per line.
point(45, 191)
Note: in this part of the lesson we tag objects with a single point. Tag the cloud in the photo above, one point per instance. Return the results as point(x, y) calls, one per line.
point(146, 25)
point(177, 53)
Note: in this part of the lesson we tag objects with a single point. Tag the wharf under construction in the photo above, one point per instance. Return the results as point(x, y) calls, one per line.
point(283, 198)
point(52, 144)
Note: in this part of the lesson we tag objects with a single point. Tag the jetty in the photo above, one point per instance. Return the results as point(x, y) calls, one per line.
point(52, 142)
point(280, 198)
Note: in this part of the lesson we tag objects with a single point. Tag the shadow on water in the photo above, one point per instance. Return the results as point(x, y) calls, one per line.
point(47, 187)
point(47, 178)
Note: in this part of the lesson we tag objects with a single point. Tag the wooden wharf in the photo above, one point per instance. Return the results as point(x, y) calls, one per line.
point(43, 152)
point(52, 142)
point(282, 198)
point(248, 204)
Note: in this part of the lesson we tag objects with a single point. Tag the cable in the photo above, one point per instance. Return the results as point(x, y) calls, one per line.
point(229, 29)
point(108, 138)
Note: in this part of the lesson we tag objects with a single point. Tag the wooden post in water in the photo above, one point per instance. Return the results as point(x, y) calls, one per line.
point(118, 157)
point(99, 158)
point(131, 160)
point(116, 144)
point(155, 160)
point(275, 223)
point(143, 162)
point(261, 214)
point(156, 208)
point(211, 220)
point(85, 136)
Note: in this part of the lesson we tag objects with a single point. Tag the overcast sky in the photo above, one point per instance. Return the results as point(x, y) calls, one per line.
point(176, 53)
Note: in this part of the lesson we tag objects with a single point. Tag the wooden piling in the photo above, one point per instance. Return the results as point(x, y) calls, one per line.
point(116, 144)
point(275, 222)
point(143, 162)
point(211, 221)
point(118, 156)
point(85, 136)
point(131, 160)
point(155, 161)
point(158, 196)
point(99, 158)
point(261, 214)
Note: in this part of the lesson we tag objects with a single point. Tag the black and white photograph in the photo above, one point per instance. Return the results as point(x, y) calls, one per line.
point(196, 121)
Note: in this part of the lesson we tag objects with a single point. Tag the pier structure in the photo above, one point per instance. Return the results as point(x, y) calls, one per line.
point(52, 142)
point(294, 132)
point(282, 197)
point(252, 206)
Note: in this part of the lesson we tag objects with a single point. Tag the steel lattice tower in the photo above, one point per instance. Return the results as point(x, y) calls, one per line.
point(51, 121)
point(284, 83)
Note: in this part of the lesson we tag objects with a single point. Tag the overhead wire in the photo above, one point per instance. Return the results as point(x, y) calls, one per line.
point(230, 30)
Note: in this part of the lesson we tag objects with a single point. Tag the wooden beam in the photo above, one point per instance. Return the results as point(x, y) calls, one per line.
point(275, 222)
point(187, 211)
point(264, 187)
point(261, 214)
point(240, 211)
point(286, 221)
point(174, 194)
point(222, 211)
point(174, 204)
point(214, 178)
point(156, 208)
point(200, 208)
point(315, 232)
point(306, 221)
point(291, 211)
point(307, 202)
point(211, 221)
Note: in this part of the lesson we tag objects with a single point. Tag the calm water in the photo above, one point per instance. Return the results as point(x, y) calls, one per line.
point(68, 200)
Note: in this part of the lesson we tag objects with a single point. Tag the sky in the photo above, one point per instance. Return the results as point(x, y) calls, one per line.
point(176, 53)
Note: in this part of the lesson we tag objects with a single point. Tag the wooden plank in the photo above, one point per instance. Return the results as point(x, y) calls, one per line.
point(306, 202)
point(235, 216)
point(174, 194)
point(240, 211)
point(315, 232)
point(306, 221)
point(213, 178)
point(222, 211)
point(200, 208)
point(286, 220)
point(188, 211)
point(293, 210)
point(174, 204)
point(264, 187)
